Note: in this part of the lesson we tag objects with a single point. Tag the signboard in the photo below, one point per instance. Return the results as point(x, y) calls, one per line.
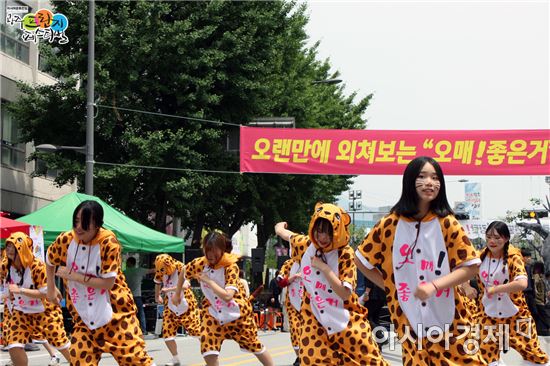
point(472, 192)
point(36, 233)
point(324, 151)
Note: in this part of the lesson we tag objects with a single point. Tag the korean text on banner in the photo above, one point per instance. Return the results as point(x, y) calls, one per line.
point(324, 151)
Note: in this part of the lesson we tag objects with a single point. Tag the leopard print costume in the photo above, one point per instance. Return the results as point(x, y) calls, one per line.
point(222, 320)
point(293, 300)
point(55, 316)
point(506, 313)
point(441, 246)
point(335, 332)
point(471, 305)
point(104, 321)
point(27, 318)
point(187, 316)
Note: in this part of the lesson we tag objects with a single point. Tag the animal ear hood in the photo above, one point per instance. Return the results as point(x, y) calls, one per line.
point(165, 261)
point(23, 244)
point(340, 221)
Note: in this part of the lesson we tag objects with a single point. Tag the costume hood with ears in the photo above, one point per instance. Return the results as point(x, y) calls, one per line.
point(167, 262)
point(23, 245)
point(340, 221)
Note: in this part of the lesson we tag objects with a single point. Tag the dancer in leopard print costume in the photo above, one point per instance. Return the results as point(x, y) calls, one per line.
point(27, 313)
point(227, 312)
point(289, 277)
point(88, 259)
point(186, 314)
point(418, 254)
point(504, 317)
point(335, 330)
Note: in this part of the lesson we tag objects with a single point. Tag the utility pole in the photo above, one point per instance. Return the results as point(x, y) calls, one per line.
point(89, 178)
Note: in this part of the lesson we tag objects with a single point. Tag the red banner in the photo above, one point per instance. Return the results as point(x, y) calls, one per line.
point(321, 151)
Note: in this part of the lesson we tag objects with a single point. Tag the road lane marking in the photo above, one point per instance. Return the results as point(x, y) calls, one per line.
point(248, 355)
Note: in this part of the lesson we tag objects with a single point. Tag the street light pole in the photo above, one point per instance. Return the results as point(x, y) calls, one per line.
point(87, 149)
point(89, 178)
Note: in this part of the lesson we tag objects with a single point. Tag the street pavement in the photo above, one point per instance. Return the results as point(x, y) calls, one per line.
point(278, 344)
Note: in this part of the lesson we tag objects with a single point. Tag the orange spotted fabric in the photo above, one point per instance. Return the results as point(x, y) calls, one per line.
point(355, 344)
point(243, 330)
point(377, 250)
point(121, 336)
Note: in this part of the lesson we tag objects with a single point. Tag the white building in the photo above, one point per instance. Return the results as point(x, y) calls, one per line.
point(19, 61)
point(245, 239)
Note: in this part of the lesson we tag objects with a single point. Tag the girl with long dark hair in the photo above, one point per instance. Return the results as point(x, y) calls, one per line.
point(503, 309)
point(418, 253)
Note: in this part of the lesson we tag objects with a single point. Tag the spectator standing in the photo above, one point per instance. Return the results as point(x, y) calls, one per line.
point(134, 276)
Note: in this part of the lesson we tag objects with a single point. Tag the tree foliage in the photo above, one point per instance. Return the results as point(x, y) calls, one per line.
point(215, 60)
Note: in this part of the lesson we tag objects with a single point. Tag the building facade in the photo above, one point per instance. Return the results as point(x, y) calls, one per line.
point(20, 193)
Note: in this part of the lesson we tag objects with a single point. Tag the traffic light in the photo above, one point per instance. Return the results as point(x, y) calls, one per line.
point(534, 214)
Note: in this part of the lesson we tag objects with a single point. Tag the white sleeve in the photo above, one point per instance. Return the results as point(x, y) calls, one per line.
point(363, 260)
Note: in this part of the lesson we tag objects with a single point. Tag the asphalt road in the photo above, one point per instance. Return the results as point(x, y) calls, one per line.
point(278, 344)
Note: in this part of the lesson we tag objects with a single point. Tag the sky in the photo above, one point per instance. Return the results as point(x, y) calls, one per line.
point(437, 65)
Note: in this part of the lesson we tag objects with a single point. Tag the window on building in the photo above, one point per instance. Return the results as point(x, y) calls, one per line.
point(13, 151)
point(42, 168)
point(43, 64)
point(10, 35)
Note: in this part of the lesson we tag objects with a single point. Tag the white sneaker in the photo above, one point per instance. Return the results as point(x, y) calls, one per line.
point(54, 361)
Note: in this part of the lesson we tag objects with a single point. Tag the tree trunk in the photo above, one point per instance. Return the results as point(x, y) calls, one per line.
point(262, 236)
point(265, 229)
point(235, 226)
point(162, 211)
point(197, 232)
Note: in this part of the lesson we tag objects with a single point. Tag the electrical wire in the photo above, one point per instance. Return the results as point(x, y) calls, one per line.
point(168, 115)
point(166, 168)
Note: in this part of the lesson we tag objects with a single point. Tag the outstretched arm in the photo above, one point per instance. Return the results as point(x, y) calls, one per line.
point(456, 277)
point(51, 293)
point(176, 299)
point(35, 294)
point(281, 229)
point(515, 286)
point(158, 298)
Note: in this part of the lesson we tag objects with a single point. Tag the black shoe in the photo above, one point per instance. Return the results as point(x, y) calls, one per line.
point(296, 362)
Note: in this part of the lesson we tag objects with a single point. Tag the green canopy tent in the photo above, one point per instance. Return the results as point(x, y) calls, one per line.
point(57, 217)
